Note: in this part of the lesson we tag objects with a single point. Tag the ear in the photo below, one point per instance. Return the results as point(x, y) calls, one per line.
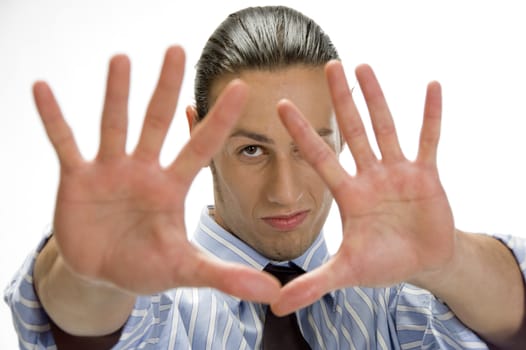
point(342, 143)
point(191, 117)
point(339, 142)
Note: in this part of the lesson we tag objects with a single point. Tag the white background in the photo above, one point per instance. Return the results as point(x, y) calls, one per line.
point(475, 49)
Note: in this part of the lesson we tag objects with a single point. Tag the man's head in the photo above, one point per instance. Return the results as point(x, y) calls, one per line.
point(265, 193)
point(259, 38)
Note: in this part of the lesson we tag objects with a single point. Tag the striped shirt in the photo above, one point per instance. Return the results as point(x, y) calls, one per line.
point(399, 317)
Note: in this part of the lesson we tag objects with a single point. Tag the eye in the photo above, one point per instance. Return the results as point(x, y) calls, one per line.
point(252, 151)
point(296, 150)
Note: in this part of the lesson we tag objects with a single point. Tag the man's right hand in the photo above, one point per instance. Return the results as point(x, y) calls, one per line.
point(119, 219)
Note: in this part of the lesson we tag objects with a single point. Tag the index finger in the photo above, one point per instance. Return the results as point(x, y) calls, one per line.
point(209, 136)
point(307, 289)
point(319, 155)
point(234, 279)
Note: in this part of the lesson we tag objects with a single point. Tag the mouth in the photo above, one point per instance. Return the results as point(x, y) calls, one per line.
point(287, 222)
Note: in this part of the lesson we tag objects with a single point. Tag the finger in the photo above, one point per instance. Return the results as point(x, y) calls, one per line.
point(114, 122)
point(313, 149)
point(307, 289)
point(348, 117)
point(430, 133)
point(234, 279)
point(162, 106)
point(382, 121)
point(58, 131)
point(210, 134)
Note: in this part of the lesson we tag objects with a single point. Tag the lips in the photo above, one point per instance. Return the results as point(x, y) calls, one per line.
point(287, 222)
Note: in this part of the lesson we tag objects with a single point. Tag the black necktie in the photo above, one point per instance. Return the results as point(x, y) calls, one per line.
point(283, 332)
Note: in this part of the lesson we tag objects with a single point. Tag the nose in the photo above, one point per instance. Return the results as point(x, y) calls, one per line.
point(284, 185)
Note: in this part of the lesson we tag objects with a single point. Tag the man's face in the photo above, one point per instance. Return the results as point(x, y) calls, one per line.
point(265, 192)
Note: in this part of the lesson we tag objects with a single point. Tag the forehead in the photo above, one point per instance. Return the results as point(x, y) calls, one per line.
point(305, 86)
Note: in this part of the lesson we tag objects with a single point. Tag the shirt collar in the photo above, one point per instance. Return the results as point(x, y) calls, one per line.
point(216, 241)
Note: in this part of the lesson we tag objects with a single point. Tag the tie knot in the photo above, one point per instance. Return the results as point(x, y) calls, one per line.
point(284, 274)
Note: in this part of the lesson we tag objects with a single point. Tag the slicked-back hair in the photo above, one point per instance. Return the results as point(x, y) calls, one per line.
point(259, 38)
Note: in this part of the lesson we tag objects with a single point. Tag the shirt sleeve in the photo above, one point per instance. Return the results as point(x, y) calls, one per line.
point(424, 321)
point(517, 247)
point(32, 324)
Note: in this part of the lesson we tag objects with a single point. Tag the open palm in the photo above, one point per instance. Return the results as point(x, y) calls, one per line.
point(397, 222)
point(119, 219)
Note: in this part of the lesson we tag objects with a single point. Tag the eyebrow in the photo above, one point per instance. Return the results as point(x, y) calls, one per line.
point(265, 139)
point(252, 135)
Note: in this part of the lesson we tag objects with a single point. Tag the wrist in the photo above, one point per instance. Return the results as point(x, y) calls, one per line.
point(483, 286)
point(440, 279)
point(44, 263)
point(65, 295)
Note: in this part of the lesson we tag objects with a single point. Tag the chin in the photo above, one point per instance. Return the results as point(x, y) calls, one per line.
point(285, 249)
point(284, 256)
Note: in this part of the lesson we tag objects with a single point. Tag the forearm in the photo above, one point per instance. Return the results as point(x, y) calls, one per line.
point(484, 287)
point(77, 306)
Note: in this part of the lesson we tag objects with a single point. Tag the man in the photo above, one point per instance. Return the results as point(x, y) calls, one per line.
point(106, 276)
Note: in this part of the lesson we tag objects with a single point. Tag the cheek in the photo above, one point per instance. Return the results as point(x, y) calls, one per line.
point(322, 198)
point(242, 188)
point(317, 186)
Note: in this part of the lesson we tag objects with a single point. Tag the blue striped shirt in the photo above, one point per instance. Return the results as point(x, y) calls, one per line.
point(399, 317)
